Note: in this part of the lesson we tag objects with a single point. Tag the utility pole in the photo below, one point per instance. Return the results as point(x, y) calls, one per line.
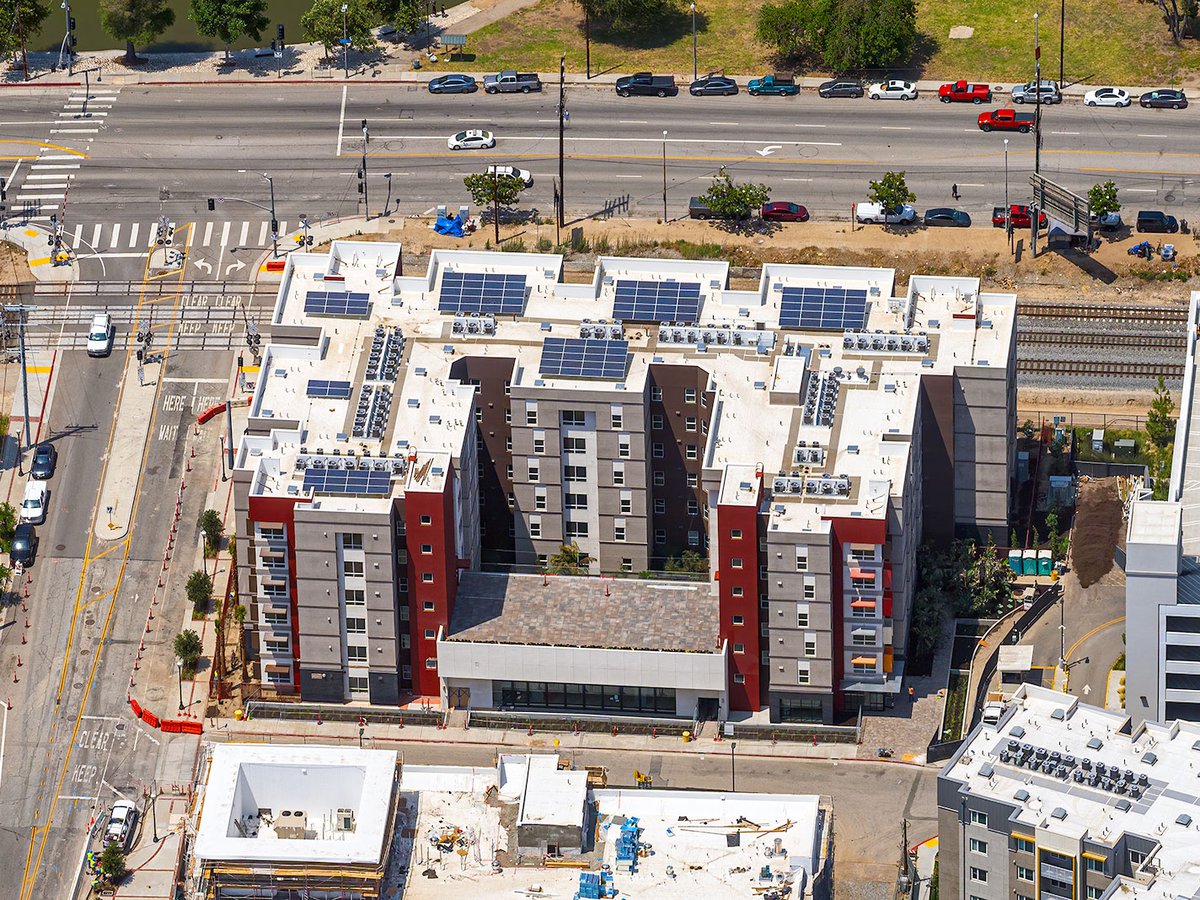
point(24, 49)
point(366, 201)
point(20, 311)
point(69, 41)
point(1062, 39)
point(562, 129)
point(1037, 95)
point(496, 204)
point(664, 160)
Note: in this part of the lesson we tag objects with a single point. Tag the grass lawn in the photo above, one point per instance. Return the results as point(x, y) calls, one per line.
point(1108, 41)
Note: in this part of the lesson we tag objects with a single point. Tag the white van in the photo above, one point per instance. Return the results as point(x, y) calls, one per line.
point(33, 507)
point(870, 213)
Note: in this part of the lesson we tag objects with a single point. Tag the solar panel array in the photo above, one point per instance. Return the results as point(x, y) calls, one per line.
point(334, 390)
point(482, 292)
point(584, 358)
point(823, 307)
point(348, 304)
point(657, 301)
point(347, 481)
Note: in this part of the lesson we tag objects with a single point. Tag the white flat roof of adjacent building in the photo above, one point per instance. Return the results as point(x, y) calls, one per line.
point(250, 787)
point(549, 796)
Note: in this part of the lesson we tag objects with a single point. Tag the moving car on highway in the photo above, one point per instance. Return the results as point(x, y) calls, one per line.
point(713, 85)
point(33, 506)
point(781, 85)
point(893, 90)
point(1107, 96)
point(473, 139)
point(646, 84)
point(1029, 92)
point(964, 92)
point(698, 209)
point(45, 458)
point(1163, 98)
point(874, 214)
point(454, 83)
point(1154, 220)
point(1006, 120)
point(841, 87)
point(23, 549)
point(944, 216)
point(512, 172)
point(100, 335)
point(782, 211)
point(510, 82)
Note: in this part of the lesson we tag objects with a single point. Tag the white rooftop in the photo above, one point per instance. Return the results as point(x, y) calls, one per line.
point(548, 795)
point(259, 800)
point(1167, 808)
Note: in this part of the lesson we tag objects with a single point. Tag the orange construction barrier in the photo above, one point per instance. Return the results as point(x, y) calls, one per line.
point(136, 707)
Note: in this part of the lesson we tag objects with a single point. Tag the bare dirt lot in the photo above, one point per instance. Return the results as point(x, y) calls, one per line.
point(14, 268)
point(1098, 519)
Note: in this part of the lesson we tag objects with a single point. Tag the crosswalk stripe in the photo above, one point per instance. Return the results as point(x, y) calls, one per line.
point(245, 231)
point(41, 186)
point(208, 227)
point(262, 234)
point(133, 233)
point(78, 114)
point(39, 196)
point(96, 235)
point(74, 130)
point(53, 176)
point(225, 233)
point(46, 156)
point(56, 167)
point(116, 236)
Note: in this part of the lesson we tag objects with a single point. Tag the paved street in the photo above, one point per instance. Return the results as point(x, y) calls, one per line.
point(142, 152)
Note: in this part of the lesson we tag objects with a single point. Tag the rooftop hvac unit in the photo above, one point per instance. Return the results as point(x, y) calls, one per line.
point(737, 339)
point(615, 333)
point(457, 328)
point(693, 335)
point(877, 343)
point(849, 342)
point(812, 485)
point(722, 337)
point(779, 485)
point(345, 820)
point(489, 326)
point(795, 485)
point(893, 344)
point(826, 487)
point(843, 486)
point(664, 335)
point(710, 337)
point(585, 331)
point(473, 327)
point(906, 344)
point(677, 335)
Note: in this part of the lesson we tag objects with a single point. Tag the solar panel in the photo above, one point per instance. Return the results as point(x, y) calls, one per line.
point(584, 358)
point(347, 304)
point(823, 307)
point(335, 390)
point(482, 292)
point(657, 301)
point(347, 481)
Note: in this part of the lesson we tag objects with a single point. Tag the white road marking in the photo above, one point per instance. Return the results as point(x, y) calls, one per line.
point(1073, 133)
point(50, 177)
point(208, 227)
point(78, 235)
point(225, 233)
point(7, 124)
point(74, 156)
point(13, 173)
point(1141, 190)
point(245, 232)
point(722, 123)
point(71, 114)
point(262, 234)
point(806, 125)
point(342, 119)
point(40, 196)
point(627, 176)
point(74, 130)
point(116, 236)
point(970, 184)
point(133, 233)
point(797, 179)
point(632, 122)
point(1152, 135)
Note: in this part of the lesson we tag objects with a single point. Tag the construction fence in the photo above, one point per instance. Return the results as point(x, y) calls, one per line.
point(328, 712)
point(576, 724)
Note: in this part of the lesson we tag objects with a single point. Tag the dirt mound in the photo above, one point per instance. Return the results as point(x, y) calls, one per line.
point(1098, 523)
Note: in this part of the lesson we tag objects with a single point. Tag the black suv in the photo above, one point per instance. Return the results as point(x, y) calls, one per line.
point(841, 87)
point(1155, 220)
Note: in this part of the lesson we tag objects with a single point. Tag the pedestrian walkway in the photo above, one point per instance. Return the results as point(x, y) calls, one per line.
point(135, 408)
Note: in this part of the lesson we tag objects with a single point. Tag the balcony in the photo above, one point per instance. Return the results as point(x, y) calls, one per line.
point(1057, 873)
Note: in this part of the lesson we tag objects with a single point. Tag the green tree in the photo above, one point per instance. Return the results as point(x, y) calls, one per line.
point(627, 15)
point(891, 191)
point(734, 201)
point(19, 20)
point(188, 648)
point(112, 863)
point(199, 591)
point(570, 560)
point(927, 622)
point(228, 20)
point(1103, 198)
point(213, 529)
point(495, 191)
point(689, 561)
point(1159, 424)
point(869, 34)
point(8, 525)
point(404, 15)
point(794, 28)
point(1012, 540)
point(324, 23)
point(135, 22)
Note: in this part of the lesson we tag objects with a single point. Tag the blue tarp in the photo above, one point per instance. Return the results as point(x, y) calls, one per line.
point(453, 227)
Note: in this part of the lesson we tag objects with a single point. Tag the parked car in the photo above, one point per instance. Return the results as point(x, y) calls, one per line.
point(1018, 213)
point(33, 506)
point(23, 549)
point(1110, 221)
point(121, 824)
point(841, 87)
point(709, 85)
point(964, 92)
point(782, 85)
point(645, 84)
point(45, 458)
point(512, 172)
point(100, 335)
point(698, 209)
point(1164, 98)
point(473, 139)
point(1107, 96)
point(510, 82)
point(893, 90)
point(993, 713)
point(874, 213)
point(1006, 120)
point(1030, 91)
point(782, 211)
point(1153, 220)
point(947, 217)
point(454, 83)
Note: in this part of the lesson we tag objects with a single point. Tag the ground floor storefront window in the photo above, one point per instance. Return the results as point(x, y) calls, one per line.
point(583, 697)
point(867, 701)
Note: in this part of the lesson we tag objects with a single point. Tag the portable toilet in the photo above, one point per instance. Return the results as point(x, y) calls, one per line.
point(1098, 440)
point(1045, 560)
point(1014, 561)
point(1029, 561)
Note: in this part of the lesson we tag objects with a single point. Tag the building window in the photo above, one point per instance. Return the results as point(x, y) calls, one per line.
point(689, 423)
point(693, 480)
point(864, 637)
point(512, 501)
point(577, 529)
point(810, 589)
point(738, 591)
point(660, 535)
point(535, 470)
point(270, 534)
point(356, 597)
point(430, 634)
point(1094, 893)
point(979, 875)
point(618, 474)
point(427, 606)
point(618, 418)
point(535, 526)
point(801, 559)
point(574, 473)
point(739, 679)
point(1136, 858)
point(356, 626)
point(539, 498)
point(862, 555)
point(427, 577)
point(626, 501)
point(431, 663)
point(352, 567)
point(739, 620)
point(508, 471)
point(656, 393)
point(801, 615)
point(543, 559)
point(660, 479)
point(1024, 873)
point(508, 443)
point(656, 450)
point(660, 506)
point(574, 417)
point(626, 564)
point(656, 422)
point(619, 530)
point(865, 668)
point(1093, 865)
point(352, 541)
point(479, 418)
point(539, 442)
point(689, 395)
point(507, 388)
point(803, 673)
point(623, 446)
point(573, 444)
point(736, 562)
point(426, 520)
point(739, 648)
point(575, 501)
point(735, 534)
point(693, 538)
point(1023, 845)
point(978, 846)
point(810, 645)
point(279, 677)
point(508, 418)
point(689, 451)
point(356, 654)
point(979, 818)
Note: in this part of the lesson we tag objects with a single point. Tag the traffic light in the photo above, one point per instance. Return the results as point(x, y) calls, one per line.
point(274, 226)
point(212, 204)
point(279, 35)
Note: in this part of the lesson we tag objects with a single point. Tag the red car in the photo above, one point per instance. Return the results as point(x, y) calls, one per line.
point(1018, 213)
point(780, 211)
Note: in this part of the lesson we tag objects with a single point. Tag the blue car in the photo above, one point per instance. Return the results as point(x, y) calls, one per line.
point(453, 84)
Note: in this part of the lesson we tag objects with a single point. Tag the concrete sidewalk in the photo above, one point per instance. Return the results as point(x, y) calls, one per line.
point(34, 240)
point(135, 411)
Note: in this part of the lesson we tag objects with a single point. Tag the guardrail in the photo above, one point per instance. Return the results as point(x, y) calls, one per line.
point(785, 731)
point(327, 712)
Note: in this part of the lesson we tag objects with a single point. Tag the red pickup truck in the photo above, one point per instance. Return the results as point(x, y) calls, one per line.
point(961, 92)
point(1006, 120)
point(1018, 213)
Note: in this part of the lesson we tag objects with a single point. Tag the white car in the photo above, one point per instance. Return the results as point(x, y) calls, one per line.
point(1107, 96)
point(873, 214)
point(471, 140)
point(893, 90)
point(33, 506)
point(993, 713)
point(512, 172)
point(120, 824)
point(100, 335)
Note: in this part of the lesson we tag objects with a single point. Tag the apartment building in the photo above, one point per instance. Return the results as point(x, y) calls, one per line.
point(410, 435)
point(1162, 573)
point(1061, 799)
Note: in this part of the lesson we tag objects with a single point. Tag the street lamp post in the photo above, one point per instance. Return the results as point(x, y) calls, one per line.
point(664, 155)
point(387, 204)
point(733, 766)
point(1037, 95)
point(694, 75)
point(345, 41)
point(274, 220)
point(1062, 39)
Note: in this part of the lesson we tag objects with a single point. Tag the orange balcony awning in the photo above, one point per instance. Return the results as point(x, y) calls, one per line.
point(865, 574)
point(864, 661)
point(862, 604)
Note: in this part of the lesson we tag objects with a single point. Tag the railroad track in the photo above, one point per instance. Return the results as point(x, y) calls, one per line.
point(1107, 312)
point(1175, 342)
point(1099, 369)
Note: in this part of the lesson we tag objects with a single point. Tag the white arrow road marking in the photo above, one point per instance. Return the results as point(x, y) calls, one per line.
point(769, 149)
point(1087, 689)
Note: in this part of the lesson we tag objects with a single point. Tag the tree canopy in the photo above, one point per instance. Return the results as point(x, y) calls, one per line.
point(324, 22)
point(188, 648)
point(627, 15)
point(569, 560)
point(1159, 423)
point(228, 20)
point(405, 15)
point(843, 34)
point(891, 191)
point(17, 18)
point(135, 22)
point(734, 201)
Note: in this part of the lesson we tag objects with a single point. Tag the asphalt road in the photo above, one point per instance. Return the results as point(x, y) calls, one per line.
point(155, 151)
